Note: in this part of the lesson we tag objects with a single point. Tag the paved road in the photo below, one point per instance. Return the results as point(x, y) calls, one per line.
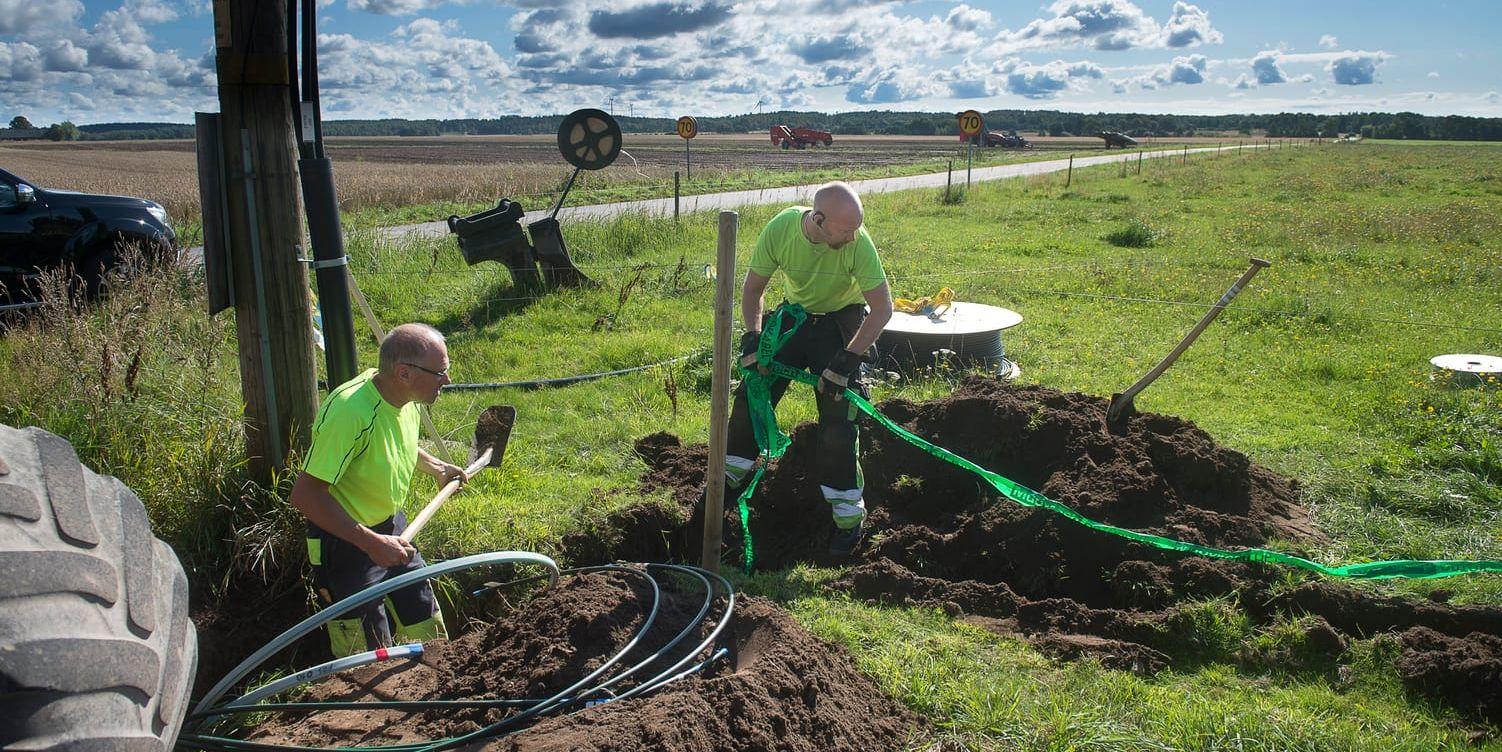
point(803, 193)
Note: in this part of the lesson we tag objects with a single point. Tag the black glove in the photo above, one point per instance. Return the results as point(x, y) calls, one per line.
point(749, 342)
point(842, 370)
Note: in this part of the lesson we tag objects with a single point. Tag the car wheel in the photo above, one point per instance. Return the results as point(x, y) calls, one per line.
point(98, 649)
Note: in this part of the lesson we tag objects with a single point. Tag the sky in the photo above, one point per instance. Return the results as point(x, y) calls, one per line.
point(101, 61)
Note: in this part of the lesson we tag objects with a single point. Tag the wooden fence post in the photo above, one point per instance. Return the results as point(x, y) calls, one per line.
point(719, 394)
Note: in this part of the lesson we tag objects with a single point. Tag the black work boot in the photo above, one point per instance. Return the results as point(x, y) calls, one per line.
point(846, 540)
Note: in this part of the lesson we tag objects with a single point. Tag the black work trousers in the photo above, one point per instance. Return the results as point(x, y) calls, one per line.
point(811, 348)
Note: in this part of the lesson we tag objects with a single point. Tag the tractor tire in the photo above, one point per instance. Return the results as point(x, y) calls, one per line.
point(96, 649)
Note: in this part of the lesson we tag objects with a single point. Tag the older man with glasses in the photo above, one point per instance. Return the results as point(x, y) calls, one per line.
point(356, 476)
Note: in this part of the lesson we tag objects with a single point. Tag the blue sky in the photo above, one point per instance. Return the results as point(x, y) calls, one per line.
point(114, 60)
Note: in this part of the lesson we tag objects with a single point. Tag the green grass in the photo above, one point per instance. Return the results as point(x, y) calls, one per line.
point(1382, 257)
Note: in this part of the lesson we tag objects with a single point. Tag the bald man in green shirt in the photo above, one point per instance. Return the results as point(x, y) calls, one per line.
point(831, 268)
point(356, 476)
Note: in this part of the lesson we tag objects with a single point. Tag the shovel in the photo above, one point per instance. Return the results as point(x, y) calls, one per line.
point(1122, 403)
point(491, 434)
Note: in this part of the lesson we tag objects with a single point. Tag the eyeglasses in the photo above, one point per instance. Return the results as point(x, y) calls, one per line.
point(440, 374)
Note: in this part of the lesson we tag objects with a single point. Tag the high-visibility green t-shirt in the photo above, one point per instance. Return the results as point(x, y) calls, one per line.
point(365, 448)
point(819, 278)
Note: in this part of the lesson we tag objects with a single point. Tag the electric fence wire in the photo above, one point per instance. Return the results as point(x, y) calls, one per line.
point(897, 280)
point(202, 727)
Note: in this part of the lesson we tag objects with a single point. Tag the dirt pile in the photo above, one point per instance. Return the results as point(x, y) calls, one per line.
point(781, 688)
point(941, 536)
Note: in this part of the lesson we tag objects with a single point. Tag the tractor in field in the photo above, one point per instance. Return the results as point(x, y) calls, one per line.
point(800, 137)
point(1115, 138)
point(997, 139)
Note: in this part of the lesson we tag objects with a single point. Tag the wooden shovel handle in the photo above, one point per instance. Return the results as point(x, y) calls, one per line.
point(1220, 305)
point(442, 496)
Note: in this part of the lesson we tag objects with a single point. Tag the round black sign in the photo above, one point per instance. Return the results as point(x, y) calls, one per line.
point(590, 139)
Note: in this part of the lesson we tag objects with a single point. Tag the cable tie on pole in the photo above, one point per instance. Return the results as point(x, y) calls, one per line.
point(325, 263)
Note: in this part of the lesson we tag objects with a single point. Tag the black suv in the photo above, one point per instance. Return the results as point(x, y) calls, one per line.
point(42, 230)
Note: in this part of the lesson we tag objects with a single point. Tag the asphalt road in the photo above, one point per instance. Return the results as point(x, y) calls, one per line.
point(803, 193)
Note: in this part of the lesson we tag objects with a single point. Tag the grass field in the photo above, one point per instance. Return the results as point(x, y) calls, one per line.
point(1383, 256)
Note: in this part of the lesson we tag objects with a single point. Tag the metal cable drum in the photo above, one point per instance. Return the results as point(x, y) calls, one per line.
point(972, 331)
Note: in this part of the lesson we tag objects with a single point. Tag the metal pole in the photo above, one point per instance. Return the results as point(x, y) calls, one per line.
point(1069, 176)
point(969, 155)
point(719, 394)
point(949, 181)
point(1185, 159)
point(327, 238)
point(688, 164)
point(1139, 163)
point(675, 195)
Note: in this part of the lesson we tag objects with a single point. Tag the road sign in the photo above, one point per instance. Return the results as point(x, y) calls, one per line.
point(971, 123)
point(688, 127)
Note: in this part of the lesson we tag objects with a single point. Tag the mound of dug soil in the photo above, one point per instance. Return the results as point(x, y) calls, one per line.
point(940, 536)
point(781, 688)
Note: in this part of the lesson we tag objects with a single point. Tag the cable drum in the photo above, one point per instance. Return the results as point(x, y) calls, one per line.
point(1464, 369)
point(969, 332)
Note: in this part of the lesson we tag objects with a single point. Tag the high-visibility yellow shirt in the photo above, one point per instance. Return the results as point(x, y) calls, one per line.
point(365, 448)
point(819, 278)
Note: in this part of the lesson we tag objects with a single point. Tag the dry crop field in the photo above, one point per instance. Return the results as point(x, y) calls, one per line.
point(396, 171)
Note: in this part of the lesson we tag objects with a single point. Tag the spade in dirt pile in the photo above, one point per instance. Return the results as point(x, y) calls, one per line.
point(491, 434)
point(1121, 403)
point(589, 139)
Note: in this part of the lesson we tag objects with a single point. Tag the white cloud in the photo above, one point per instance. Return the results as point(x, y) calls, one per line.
point(393, 7)
point(1265, 66)
point(64, 56)
point(1492, 97)
point(19, 61)
point(1434, 74)
point(1243, 82)
point(149, 11)
point(1109, 25)
point(1048, 80)
point(1188, 27)
point(966, 18)
point(1328, 42)
point(1189, 69)
point(27, 17)
point(1356, 68)
point(891, 85)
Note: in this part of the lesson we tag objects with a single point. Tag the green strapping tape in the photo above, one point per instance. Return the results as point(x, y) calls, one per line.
point(774, 443)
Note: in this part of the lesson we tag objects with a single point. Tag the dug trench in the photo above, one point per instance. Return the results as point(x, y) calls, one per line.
point(780, 688)
point(939, 536)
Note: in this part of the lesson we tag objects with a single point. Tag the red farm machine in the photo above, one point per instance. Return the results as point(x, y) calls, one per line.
point(800, 138)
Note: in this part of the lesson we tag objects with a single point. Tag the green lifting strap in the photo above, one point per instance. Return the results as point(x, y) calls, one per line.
point(773, 443)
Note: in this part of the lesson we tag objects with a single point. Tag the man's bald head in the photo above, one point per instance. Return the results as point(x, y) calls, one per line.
point(837, 215)
point(839, 201)
point(409, 343)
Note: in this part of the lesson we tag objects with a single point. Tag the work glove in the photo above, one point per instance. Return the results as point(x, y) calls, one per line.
point(749, 342)
point(842, 370)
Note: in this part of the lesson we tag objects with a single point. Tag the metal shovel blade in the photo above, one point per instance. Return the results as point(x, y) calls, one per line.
point(493, 430)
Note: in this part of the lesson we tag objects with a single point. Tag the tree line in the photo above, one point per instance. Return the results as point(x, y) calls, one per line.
point(1399, 125)
point(64, 131)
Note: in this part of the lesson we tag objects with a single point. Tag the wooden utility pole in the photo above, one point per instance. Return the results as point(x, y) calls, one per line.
point(273, 316)
point(719, 393)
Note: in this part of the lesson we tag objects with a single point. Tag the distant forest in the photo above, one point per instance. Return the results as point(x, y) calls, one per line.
point(1408, 125)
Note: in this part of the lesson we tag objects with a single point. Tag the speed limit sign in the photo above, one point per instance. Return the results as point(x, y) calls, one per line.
point(970, 123)
point(688, 127)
